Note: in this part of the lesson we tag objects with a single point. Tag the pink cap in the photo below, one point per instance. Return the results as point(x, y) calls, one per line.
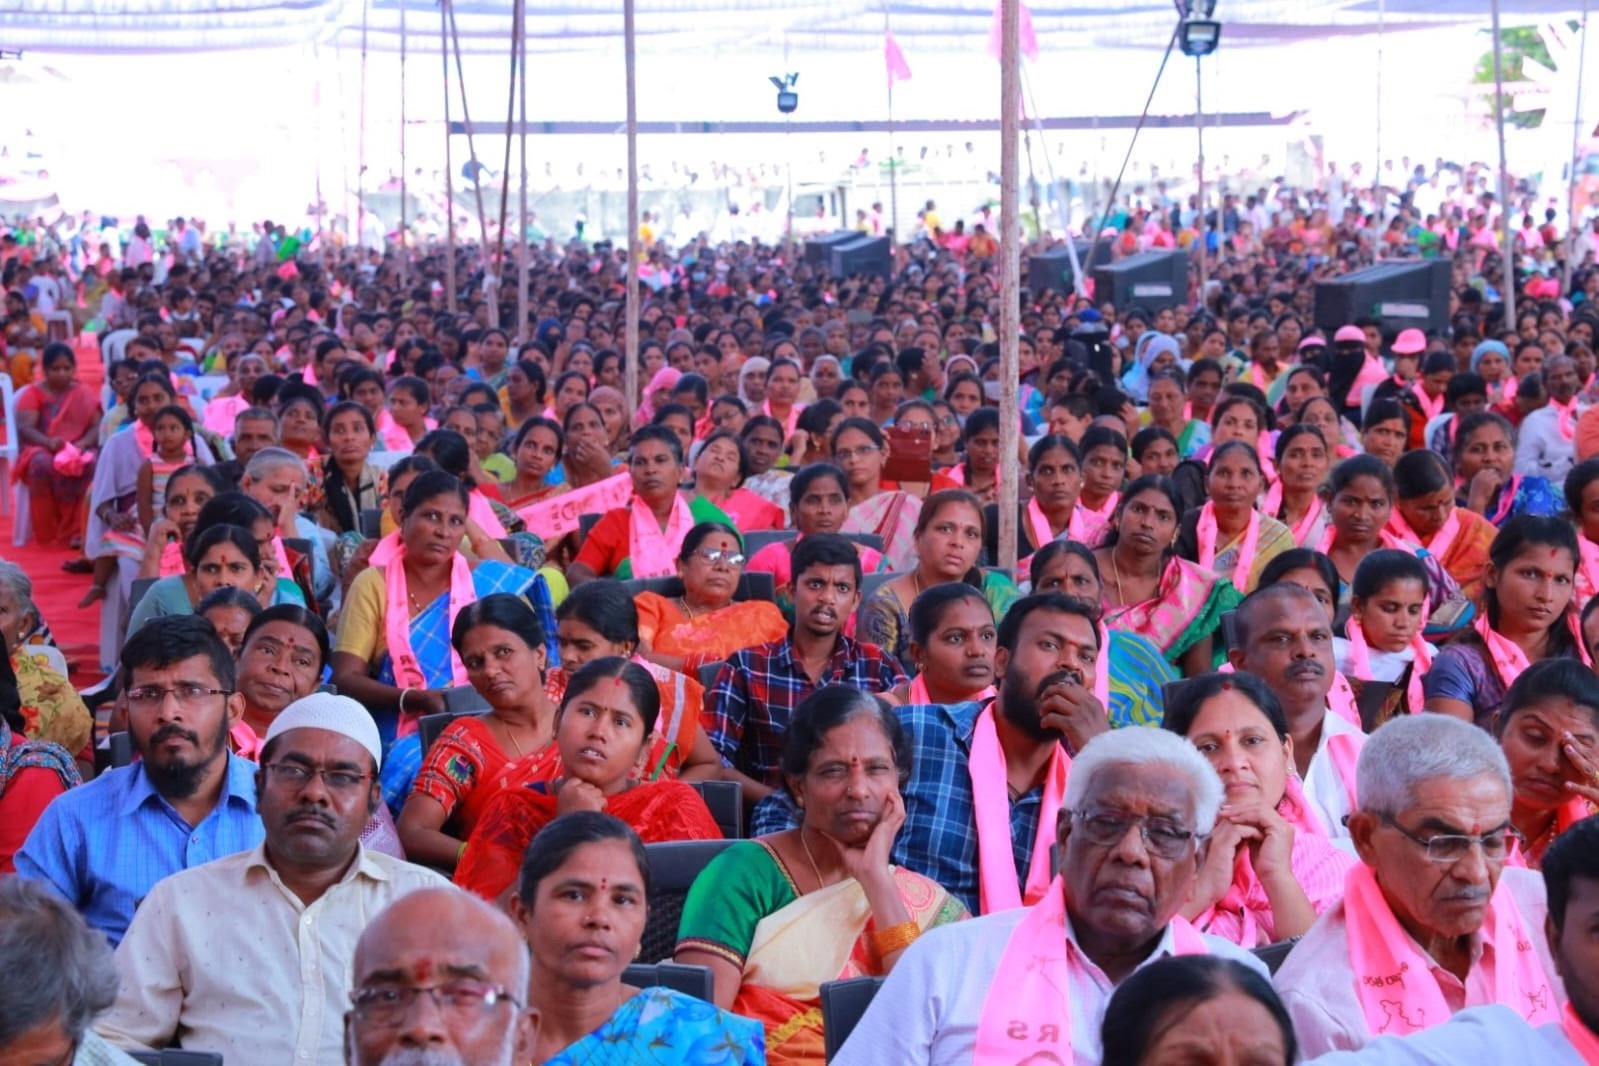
point(1410, 342)
point(1315, 340)
point(1349, 335)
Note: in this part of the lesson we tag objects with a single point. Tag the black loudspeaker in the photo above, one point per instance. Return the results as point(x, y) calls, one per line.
point(1051, 270)
point(1150, 280)
point(863, 255)
point(816, 248)
point(1402, 294)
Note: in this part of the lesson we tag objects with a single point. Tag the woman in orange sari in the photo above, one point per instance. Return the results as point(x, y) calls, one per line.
point(602, 730)
point(775, 918)
point(1426, 513)
point(58, 421)
point(704, 625)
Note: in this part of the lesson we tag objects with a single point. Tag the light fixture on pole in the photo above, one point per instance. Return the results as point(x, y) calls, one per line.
point(1199, 33)
point(787, 98)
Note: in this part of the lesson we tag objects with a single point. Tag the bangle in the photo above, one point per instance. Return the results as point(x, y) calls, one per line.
point(401, 706)
point(460, 851)
point(895, 938)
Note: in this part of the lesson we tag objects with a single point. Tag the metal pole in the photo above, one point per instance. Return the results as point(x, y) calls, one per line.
point(1376, 177)
point(1507, 249)
point(360, 149)
point(630, 380)
point(1199, 129)
point(522, 237)
point(893, 160)
point(1576, 148)
point(449, 164)
point(471, 141)
point(405, 245)
point(1010, 264)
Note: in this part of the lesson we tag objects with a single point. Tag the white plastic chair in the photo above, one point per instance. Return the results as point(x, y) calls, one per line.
point(17, 498)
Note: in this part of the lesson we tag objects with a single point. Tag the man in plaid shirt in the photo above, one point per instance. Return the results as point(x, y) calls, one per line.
point(758, 688)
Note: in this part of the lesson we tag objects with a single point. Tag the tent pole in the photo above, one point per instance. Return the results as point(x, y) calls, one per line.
point(360, 149)
point(893, 159)
point(1199, 130)
point(405, 244)
point(522, 251)
point(449, 164)
point(1010, 100)
point(630, 364)
point(505, 171)
point(471, 141)
point(1507, 249)
point(1576, 150)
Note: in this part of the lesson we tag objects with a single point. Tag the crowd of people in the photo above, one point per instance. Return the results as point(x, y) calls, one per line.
point(1280, 741)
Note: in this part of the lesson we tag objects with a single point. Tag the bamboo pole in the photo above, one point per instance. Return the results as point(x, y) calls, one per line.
point(360, 149)
point(471, 142)
point(449, 164)
point(1010, 100)
point(522, 250)
point(1506, 236)
point(505, 175)
point(630, 380)
point(1576, 156)
point(405, 244)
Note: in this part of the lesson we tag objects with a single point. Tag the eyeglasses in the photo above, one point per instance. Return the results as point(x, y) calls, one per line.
point(718, 557)
point(189, 696)
point(1452, 847)
point(844, 455)
point(389, 1004)
point(297, 777)
point(922, 427)
point(1107, 828)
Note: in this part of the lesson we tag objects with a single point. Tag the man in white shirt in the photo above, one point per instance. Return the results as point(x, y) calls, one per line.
point(1431, 922)
point(1546, 442)
point(1500, 1034)
point(250, 955)
point(1137, 806)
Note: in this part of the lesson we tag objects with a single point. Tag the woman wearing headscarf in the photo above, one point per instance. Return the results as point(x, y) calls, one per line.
point(658, 395)
point(752, 381)
point(1152, 347)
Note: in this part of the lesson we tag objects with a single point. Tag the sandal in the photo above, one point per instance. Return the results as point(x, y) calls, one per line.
point(78, 566)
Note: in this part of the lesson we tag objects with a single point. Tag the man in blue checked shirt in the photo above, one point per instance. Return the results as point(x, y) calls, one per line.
point(188, 800)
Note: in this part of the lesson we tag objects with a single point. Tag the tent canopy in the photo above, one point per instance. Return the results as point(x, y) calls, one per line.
point(700, 26)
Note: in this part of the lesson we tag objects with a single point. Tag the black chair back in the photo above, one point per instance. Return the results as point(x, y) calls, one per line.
point(177, 1057)
point(870, 584)
point(754, 542)
point(121, 748)
point(750, 587)
point(585, 522)
point(141, 585)
point(843, 1004)
point(673, 868)
point(690, 980)
point(429, 726)
point(725, 800)
point(298, 545)
point(1229, 629)
point(707, 676)
point(371, 522)
point(873, 541)
point(1274, 954)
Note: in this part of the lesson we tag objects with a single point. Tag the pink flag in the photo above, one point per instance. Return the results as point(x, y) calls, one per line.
point(1029, 39)
point(898, 69)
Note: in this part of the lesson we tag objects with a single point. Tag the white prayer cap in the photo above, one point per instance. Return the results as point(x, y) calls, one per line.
point(336, 714)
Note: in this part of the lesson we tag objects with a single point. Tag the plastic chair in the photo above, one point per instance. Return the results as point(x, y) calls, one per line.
point(868, 540)
point(429, 726)
point(371, 522)
point(141, 585)
point(869, 585)
point(843, 1005)
point(725, 800)
point(16, 501)
point(673, 868)
point(754, 542)
point(120, 746)
point(750, 587)
point(177, 1057)
point(690, 980)
point(1274, 954)
point(586, 522)
point(1229, 629)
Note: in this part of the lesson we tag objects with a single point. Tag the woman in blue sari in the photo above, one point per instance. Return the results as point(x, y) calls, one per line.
point(581, 905)
point(393, 652)
point(1485, 479)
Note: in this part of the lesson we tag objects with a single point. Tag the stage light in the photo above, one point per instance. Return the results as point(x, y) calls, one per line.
point(787, 98)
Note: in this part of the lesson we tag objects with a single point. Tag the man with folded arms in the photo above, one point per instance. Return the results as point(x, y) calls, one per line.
point(250, 955)
point(1431, 921)
point(1031, 984)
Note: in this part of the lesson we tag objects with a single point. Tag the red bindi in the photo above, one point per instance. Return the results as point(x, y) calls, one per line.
point(423, 969)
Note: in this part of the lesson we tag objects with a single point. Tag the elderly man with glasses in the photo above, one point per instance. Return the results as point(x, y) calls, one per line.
point(1032, 983)
point(250, 955)
point(1431, 921)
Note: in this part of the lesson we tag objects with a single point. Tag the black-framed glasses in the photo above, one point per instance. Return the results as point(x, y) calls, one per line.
point(389, 1004)
point(1452, 847)
point(295, 776)
point(189, 695)
point(1105, 828)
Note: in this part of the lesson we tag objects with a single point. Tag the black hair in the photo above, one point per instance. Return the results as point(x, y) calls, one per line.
point(1385, 410)
point(1423, 472)
point(1102, 437)
point(1226, 448)
point(694, 383)
point(411, 464)
point(824, 549)
point(871, 429)
point(170, 639)
point(202, 540)
point(1360, 466)
point(1465, 384)
point(605, 607)
point(1471, 424)
point(1157, 997)
point(1516, 536)
point(1206, 365)
point(233, 509)
point(1010, 627)
point(672, 410)
point(294, 614)
point(1264, 594)
point(1385, 567)
point(540, 422)
point(1146, 483)
point(1293, 433)
point(697, 534)
point(808, 475)
point(1293, 559)
point(11, 697)
point(227, 596)
point(555, 843)
point(1187, 699)
point(415, 386)
point(1228, 401)
point(1048, 443)
point(1574, 854)
point(661, 435)
point(1581, 476)
point(1044, 556)
point(738, 445)
point(641, 687)
point(1150, 435)
point(508, 612)
point(573, 375)
point(430, 484)
point(927, 610)
point(450, 450)
point(1563, 679)
point(830, 707)
point(57, 350)
point(981, 421)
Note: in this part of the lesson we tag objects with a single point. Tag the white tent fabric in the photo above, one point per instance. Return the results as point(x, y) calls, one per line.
point(568, 26)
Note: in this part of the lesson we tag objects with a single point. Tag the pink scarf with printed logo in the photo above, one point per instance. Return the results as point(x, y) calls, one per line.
point(397, 617)
point(653, 552)
point(1026, 1014)
point(1246, 552)
point(1393, 976)
point(996, 864)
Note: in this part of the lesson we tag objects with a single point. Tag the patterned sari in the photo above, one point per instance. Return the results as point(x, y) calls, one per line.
point(710, 637)
point(891, 515)
point(56, 497)
point(1187, 608)
point(660, 1027)
point(745, 909)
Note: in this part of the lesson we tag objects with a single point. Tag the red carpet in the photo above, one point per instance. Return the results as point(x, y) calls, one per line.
point(56, 592)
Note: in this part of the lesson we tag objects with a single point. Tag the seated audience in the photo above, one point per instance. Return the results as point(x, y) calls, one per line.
point(50, 707)
point(952, 642)
point(32, 773)
point(230, 611)
point(1197, 1008)
point(1549, 732)
point(819, 499)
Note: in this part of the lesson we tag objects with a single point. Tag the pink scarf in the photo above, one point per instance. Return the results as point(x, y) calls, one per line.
point(397, 619)
point(1566, 413)
point(1245, 896)
point(1442, 540)
point(918, 695)
point(1038, 522)
point(1300, 529)
point(1371, 373)
point(481, 511)
point(1431, 406)
point(1583, 1041)
point(791, 423)
point(1509, 661)
point(653, 551)
point(1341, 701)
point(1587, 581)
point(996, 865)
point(1360, 660)
point(146, 438)
point(282, 555)
point(1246, 551)
point(1258, 376)
point(1393, 977)
point(1026, 1013)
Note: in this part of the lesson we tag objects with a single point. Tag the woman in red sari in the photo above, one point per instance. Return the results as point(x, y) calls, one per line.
point(57, 418)
point(602, 730)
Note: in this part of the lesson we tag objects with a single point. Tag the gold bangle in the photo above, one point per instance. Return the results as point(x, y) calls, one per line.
point(895, 938)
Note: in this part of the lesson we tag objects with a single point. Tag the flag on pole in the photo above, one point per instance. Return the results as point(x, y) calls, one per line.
point(1029, 38)
point(898, 69)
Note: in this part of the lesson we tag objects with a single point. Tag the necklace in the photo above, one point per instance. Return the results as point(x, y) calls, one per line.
point(682, 602)
point(1116, 572)
point(811, 858)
